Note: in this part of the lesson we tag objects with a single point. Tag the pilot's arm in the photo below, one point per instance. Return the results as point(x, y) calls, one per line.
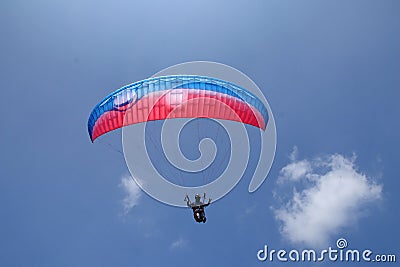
point(187, 199)
point(209, 202)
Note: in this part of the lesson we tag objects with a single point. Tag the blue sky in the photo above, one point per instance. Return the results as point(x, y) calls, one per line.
point(329, 70)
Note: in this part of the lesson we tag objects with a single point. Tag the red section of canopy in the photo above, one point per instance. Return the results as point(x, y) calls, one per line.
point(180, 103)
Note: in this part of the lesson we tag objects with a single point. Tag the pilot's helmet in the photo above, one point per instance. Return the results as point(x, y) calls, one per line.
point(197, 197)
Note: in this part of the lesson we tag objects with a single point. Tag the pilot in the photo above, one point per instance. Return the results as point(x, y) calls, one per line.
point(198, 207)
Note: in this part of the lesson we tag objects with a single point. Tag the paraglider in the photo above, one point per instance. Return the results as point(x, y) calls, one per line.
point(177, 96)
point(198, 207)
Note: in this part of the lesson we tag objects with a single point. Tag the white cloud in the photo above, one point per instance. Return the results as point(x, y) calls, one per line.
point(132, 191)
point(179, 243)
point(295, 171)
point(334, 197)
point(295, 153)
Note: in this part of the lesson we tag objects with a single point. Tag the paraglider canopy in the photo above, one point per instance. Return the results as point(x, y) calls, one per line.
point(177, 96)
